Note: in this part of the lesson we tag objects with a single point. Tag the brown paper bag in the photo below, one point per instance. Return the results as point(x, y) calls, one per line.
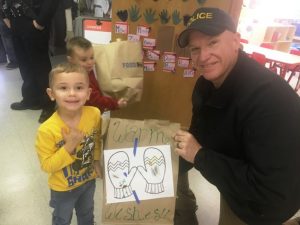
point(119, 67)
point(122, 133)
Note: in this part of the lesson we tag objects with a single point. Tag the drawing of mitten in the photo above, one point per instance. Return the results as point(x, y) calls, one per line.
point(119, 174)
point(154, 170)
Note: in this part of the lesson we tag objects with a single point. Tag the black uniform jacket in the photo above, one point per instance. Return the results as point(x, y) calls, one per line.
point(250, 132)
point(46, 11)
point(40, 10)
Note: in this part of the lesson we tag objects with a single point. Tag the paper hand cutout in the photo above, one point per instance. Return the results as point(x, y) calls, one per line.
point(123, 15)
point(164, 16)
point(149, 16)
point(134, 13)
point(201, 1)
point(176, 17)
point(119, 174)
point(186, 19)
point(154, 171)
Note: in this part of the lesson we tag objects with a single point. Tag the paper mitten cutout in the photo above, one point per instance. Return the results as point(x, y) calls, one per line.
point(119, 174)
point(154, 170)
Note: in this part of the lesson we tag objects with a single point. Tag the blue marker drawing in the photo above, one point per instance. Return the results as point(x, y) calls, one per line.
point(135, 146)
point(134, 193)
point(136, 197)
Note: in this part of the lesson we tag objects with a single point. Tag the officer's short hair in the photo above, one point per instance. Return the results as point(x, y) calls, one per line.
point(66, 68)
point(80, 42)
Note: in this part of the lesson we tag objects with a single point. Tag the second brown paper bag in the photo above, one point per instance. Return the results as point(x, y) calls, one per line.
point(119, 68)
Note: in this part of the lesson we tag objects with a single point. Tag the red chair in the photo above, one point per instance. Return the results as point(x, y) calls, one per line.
point(242, 40)
point(272, 65)
point(294, 70)
point(267, 45)
point(260, 58)
point(295, 52)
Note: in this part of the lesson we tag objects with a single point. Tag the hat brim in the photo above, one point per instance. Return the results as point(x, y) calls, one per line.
point(183, 38)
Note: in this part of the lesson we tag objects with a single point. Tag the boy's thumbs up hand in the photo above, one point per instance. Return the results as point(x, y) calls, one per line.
point(72, 139)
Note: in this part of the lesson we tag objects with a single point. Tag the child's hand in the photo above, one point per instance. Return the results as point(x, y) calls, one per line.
point(72, 139)
point(122, 103)
point(98, 169)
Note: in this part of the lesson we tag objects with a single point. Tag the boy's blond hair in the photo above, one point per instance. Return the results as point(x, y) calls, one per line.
point(66, 68)
point(80, 42)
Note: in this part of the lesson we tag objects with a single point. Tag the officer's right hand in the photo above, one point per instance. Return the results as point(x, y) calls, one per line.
point(187, 145)
point(7, 22)
point(37, 26)
point(69, 35)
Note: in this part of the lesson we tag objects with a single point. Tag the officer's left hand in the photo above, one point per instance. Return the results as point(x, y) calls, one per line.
point(187, 146)
point(37, 26)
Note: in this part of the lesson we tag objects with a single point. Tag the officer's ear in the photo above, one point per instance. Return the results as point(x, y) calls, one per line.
point(236, 40)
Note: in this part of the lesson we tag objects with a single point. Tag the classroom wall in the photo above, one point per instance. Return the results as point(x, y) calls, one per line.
point(166, 95)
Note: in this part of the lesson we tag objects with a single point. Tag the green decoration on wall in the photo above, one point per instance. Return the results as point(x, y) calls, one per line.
point(176, 17)
point(186, 19)
point(149, 16)
point(164, 16)
point(134, 13)
point(201, 2)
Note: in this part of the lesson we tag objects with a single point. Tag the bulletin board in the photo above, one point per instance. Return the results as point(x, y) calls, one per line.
point(169, 77)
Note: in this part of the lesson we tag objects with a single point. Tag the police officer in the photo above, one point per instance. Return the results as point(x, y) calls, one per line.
point(29, 21)
point(240, 140)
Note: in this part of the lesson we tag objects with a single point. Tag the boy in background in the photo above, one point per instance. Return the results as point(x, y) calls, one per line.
point(68, 146)
point(80, 51)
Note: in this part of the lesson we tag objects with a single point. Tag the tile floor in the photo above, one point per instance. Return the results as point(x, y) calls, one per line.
point(24, 194)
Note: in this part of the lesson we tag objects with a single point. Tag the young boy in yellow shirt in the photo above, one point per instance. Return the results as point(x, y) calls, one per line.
point(68, 146)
